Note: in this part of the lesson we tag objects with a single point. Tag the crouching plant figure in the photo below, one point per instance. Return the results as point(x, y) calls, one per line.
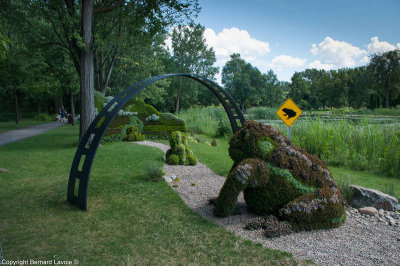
point(179, 152)
point(280, 179)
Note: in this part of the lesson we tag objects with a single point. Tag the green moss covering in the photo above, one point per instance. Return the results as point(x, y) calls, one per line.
point(279, 178)
point(265, 146)
point(179, 150)
point(132, 134)
point(166, 129)
point(143, 109)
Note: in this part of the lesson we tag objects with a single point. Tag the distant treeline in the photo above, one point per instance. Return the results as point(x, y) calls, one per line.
point(41, 45)
point(373, 86)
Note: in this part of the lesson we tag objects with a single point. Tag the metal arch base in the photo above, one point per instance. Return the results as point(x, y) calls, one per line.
point(84, 156)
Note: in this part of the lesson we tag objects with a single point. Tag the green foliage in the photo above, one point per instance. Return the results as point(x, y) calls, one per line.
point(154, 171)
point(362, 146)
point(151, 129)
point(173, 159)
point(191, 159)
point(180, 152)
point(132, 134)
point(189, 54)
point(211, 121)
point(258, 113)
point(144, 110)
point(170, 119)
point(6, 116)
point(347, 192)
point(265, 146)
point(44, 117)
point(99, 100)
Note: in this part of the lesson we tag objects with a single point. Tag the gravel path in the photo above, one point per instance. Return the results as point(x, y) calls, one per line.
point(356, 242)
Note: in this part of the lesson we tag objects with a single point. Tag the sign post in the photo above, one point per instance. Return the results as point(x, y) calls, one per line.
point(288, 113)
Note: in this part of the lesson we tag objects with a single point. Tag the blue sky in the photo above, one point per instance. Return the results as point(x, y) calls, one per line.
point(288, 36)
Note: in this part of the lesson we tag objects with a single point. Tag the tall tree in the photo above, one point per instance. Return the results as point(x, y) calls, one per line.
point(58, 23)
point(386, 69)
point(190, 54)
point(300, 90)
point(242, 81)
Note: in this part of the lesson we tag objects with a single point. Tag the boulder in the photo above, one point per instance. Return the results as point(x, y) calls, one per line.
point(366, 197)
point(371, 211)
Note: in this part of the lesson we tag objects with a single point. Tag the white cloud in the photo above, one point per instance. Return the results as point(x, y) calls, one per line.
point(377, 47)
point(287, 61)
point(233, 40)
point(337, 54)
point(318, 65)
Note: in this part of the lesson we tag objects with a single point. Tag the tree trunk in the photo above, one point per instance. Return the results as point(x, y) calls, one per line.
point(71, 103)
point(86, 68)
point(242, 107)
point(17, 111)
point(103, 75)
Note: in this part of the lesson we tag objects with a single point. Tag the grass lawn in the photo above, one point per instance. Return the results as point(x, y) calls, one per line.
point(7, 126)
point(217, 158)
point(130, 220)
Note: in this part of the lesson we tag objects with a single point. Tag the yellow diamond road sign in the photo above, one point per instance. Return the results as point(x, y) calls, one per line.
point(289, 112)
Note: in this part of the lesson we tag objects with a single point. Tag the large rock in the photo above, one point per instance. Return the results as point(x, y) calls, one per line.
point(366, 197)
point(371, 211)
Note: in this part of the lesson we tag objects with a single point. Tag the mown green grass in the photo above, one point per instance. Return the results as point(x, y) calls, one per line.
point(28, 122)
point(218, 160)
point(130, 220)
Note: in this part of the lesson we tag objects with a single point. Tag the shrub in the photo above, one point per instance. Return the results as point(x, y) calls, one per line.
point(191, 159)
point(173, 159)
point(154, 172)
point(132, 134)
point(180, 152)
point(44, 117)
point(214, 143)
point(346, 191)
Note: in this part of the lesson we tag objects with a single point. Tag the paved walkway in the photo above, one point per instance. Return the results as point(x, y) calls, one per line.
point(15, 135)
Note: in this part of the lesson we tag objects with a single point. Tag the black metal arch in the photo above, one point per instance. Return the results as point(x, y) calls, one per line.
point(84, 156)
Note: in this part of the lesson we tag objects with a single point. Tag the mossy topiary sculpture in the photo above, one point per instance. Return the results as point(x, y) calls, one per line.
point(281, 179)
point(179, 152)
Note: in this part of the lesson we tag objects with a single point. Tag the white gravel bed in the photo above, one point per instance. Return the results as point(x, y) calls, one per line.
point(356, 242)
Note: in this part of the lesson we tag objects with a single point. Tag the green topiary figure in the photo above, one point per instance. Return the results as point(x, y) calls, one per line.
point(281, 179)
point(179, 152)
